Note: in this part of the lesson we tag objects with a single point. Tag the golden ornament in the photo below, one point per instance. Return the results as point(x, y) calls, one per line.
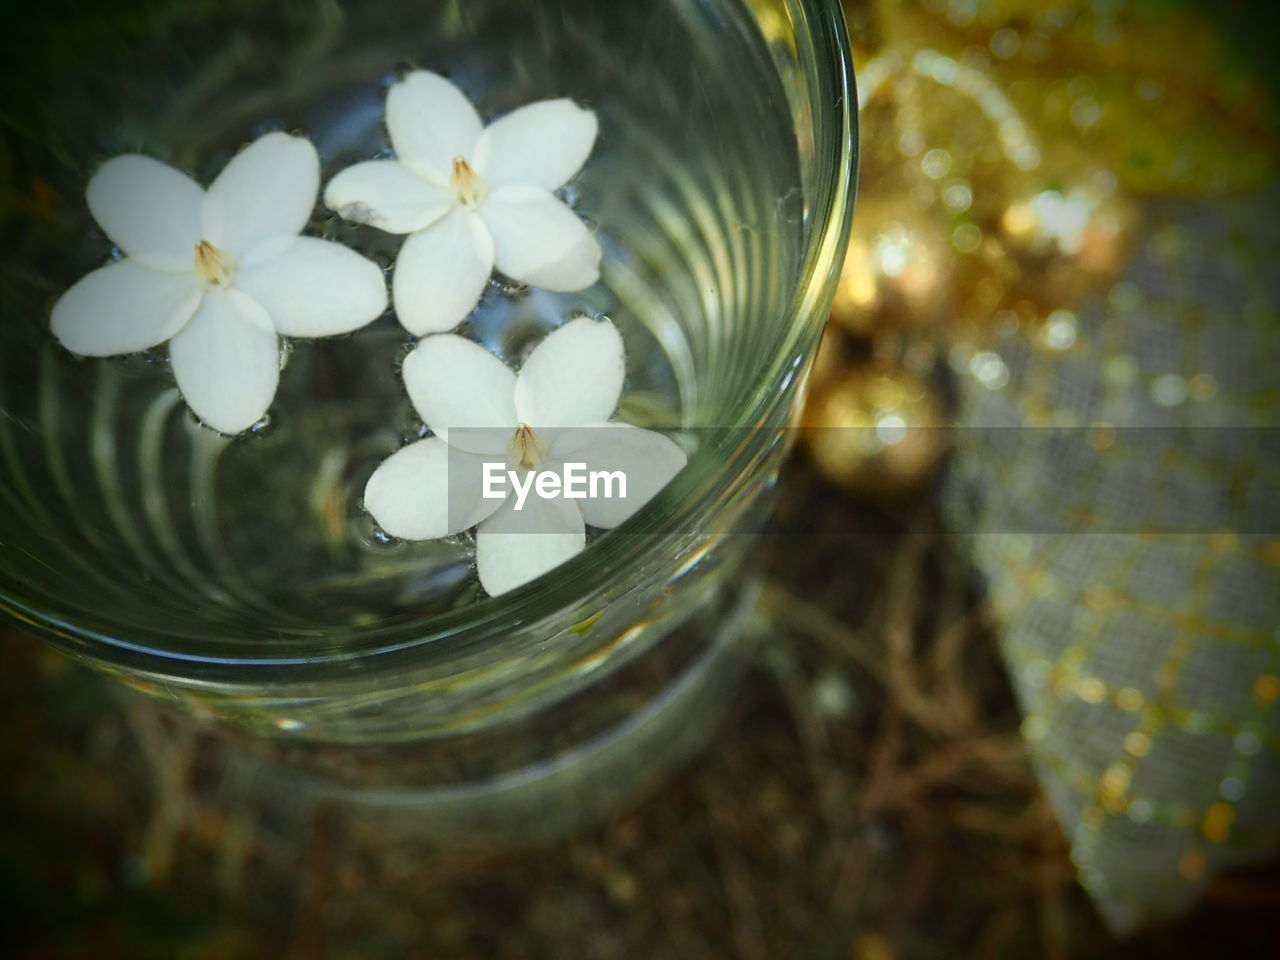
point(947, 156)
point(1065, 234)
point(876, 432)
point(1152, 91)
point(1082, 219)
point(896, 272)
point(966, 216)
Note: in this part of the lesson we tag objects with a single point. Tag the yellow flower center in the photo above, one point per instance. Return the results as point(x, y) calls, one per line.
point(213, 266)
point(465, 185)
point(526, 449)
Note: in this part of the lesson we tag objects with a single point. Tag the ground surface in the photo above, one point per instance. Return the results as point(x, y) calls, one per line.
point(868, 797)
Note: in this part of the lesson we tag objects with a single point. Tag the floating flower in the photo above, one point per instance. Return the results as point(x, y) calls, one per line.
point(472, 198)
point(496, 433)
point(218, 274)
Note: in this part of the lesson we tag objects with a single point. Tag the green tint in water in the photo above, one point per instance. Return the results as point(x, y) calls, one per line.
point(119, 510)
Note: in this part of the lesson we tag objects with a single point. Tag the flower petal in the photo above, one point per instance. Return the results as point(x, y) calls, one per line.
point(227, 361)
point(267, 190)
point(123, 308)
point(428, 490)
point(646, 460)
point(386, 195)
point(430, 122)
point(441, 273)
point(573, 377)
point(462, 392)
point(148, 209)
point(539, 241)
point(543, 144)
point(312, 287)
point(516, 546)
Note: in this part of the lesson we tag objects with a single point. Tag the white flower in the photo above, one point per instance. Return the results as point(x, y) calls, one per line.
point(217, 274)
point(556, 411)
point(472, 198)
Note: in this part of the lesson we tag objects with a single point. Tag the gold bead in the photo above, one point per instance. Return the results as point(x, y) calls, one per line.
point(874, 431)
point(896, 273)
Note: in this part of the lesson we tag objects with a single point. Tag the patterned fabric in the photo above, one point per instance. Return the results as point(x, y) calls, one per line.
point(1122, 463)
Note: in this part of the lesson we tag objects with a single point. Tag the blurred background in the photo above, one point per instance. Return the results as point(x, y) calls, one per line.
point(1010, 696)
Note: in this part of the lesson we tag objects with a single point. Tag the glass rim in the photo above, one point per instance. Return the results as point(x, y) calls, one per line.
point(707, 479)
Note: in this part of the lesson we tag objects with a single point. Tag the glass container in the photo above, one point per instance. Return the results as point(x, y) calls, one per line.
point(240, 580)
